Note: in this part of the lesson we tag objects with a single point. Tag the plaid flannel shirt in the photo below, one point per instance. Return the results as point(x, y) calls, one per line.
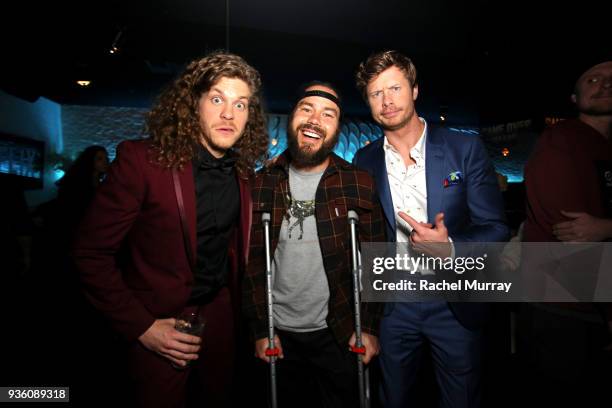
point(342, 188)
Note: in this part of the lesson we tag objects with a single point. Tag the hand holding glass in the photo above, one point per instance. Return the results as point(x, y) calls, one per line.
point(189, 323)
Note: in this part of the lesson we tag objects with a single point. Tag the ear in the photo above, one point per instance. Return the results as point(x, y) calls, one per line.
point(415, 92)
point(573, 98)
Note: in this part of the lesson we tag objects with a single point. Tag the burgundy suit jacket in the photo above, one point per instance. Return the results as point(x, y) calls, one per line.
point(135, 214)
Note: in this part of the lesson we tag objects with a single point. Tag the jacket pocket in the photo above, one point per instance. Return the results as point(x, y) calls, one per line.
point(342, 205)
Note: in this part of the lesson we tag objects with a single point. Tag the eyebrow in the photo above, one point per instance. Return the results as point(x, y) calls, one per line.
point(332, 109)
point(223, 93)
point(389, 87)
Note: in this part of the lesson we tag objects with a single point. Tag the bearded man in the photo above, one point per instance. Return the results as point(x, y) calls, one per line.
point(308, 191)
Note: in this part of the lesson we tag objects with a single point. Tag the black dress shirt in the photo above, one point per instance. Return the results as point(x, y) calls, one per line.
point(217, 209)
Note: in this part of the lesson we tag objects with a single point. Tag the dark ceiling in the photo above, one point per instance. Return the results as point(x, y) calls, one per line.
point(481, 61)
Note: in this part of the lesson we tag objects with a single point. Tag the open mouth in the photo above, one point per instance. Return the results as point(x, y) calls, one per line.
point(311, 134)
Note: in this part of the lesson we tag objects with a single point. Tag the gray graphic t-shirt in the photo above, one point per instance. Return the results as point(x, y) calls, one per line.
point(301, 291)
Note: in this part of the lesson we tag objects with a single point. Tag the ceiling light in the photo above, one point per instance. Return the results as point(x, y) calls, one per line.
point(83, 83)
point(443, 112)
point(115, 46)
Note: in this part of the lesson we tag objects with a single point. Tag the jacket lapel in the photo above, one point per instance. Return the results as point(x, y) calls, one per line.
point(382, 184)
point(434, 170)
point(246, 215)
point(189, 200)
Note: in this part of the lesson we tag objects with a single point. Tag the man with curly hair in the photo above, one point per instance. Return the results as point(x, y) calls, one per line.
point(178, 206)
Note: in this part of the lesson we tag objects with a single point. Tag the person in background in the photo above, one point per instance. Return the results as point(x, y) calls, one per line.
point(77, 187)
point(569, 199)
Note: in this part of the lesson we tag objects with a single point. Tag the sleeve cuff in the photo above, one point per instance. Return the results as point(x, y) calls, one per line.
point(453, 254)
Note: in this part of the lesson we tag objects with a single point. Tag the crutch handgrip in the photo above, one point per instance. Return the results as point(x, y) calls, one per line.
point(272, 352)
point(358, 350)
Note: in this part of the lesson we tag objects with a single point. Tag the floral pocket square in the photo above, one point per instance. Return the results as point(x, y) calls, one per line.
point(453, 178)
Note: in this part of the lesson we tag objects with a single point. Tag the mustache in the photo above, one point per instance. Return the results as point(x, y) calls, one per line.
point(224, 124)
point(313, 127)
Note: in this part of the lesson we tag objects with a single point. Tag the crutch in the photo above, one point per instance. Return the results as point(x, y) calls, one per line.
point(358, 348)
point(272, 351)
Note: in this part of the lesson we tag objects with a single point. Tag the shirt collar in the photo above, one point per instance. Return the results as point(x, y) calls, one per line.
point(204, 160)
point(418, 150)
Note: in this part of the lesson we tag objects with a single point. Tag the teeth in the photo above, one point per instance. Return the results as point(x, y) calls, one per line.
point(311, 134)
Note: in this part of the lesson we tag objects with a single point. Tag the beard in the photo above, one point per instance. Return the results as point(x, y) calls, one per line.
point(306, 156)
point(397, 126)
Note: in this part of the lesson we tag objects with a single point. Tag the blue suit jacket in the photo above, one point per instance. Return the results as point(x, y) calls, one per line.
point(473, 209)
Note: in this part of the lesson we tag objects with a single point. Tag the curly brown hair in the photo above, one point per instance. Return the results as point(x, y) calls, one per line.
point(381, 61)
point(173, 123)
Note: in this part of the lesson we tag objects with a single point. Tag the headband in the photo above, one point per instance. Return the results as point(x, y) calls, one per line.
point(322, 94)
